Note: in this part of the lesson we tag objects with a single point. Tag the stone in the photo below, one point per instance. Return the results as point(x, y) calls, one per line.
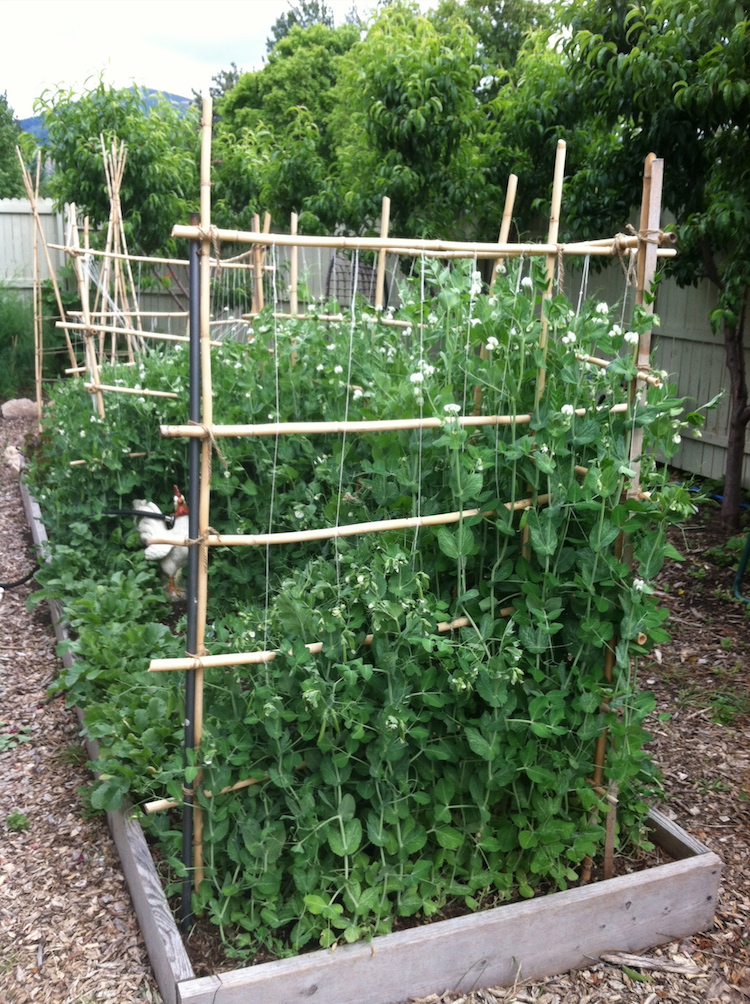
point(20, 407)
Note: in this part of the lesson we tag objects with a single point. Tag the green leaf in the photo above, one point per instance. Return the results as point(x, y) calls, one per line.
point(449, 838)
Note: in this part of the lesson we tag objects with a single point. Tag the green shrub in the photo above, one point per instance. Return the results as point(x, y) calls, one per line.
point(16, 344)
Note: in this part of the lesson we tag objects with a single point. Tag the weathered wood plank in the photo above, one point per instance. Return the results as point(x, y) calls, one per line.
point(671, 837)
point(528, 940)
point(166, 950)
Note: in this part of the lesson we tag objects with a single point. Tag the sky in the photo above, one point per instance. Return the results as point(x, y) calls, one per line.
point(169, 45)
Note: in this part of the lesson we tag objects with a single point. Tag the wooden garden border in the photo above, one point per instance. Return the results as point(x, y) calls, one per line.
point(527, 940)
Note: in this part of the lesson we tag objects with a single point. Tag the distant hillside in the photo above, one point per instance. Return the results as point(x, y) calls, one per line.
point(35, 124)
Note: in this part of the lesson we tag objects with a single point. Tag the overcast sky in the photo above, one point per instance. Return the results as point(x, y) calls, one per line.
point(170, 45)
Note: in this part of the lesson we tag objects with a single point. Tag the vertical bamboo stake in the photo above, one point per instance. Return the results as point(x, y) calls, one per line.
point(88, 336)
point(37, 300)
point(293, 272)
point(385, 222)
point(510, 200)
point(650, 222)
point(38, 223)
point(554, 227)
point(206, 448)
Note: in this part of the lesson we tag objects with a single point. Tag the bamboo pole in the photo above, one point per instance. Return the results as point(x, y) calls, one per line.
point(37, 300)
point(385, 220)
point(551, 260)
point(294, 266)
point(408, 244)
point(106, 328)
point(650, 220)
point(89, 345)
point(205, 465)
point(135, 313)
point(143, 392)
point(263, 657)
point(375, 425)
point(510, 201)
point(50, 268)
point(346, 530)
point(72, 251)
point(642, 375)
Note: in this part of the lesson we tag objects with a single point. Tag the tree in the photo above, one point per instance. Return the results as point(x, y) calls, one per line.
point(500, 28)
point(672, 76)
point(11, 182)
point(272, 144)
point(303, 14)
point(406, 124)
point(161, 176)
point(223, 81)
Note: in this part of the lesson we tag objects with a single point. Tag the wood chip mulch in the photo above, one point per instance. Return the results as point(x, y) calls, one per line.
point(68, 933)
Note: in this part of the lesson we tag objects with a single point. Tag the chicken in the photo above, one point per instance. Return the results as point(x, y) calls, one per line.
point(171, 557)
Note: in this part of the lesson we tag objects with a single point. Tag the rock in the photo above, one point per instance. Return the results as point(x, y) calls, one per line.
point(13, 459)
point(21, 407)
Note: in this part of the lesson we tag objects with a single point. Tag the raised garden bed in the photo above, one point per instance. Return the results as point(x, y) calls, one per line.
point(522, 940)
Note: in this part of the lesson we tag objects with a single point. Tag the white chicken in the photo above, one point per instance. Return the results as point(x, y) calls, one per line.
point(171, 557)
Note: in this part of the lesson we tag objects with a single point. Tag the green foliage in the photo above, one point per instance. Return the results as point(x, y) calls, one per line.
point(16, 343)
point(430, 765)
point(11, 181)
point(10, 738)
point(304, 14)
point(17, 821)
point(160, 177)
point(500, 28)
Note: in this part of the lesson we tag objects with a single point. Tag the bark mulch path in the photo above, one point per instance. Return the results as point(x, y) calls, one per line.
point(67, 929)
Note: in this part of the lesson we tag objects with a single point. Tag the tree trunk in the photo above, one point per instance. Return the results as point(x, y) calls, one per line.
point(738, 419)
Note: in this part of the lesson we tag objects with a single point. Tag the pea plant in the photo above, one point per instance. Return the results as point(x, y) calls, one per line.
point(441, 746)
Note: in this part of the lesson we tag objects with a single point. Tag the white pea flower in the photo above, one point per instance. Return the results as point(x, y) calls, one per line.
point(432, 318)
point(299, 514)
point(602, 308)
point(492, 344)
point(338, 369)
point(82, 433)
point(475, 321)
point(331, 346)
point(320, 367)
point(568, 410)
point(638, 585)
point(631, 337)
point(391, 722)
point(527, 281)
point(677, 439)
point(452, 409)
point(493, 299)
point(569, 338)
point(357, 394)
point(417, 377)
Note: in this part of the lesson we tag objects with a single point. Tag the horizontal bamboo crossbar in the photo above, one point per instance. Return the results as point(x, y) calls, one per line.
point(94, 388)
point(649, 378)
point(376, 425)
point(80, 252)
point(395, 244)
point(348, 530)
point(100, 460)
point(262, 657)
point(112, 329)
point(130, 313)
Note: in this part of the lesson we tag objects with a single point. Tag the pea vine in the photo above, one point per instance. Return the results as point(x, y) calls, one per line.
point(427, 765)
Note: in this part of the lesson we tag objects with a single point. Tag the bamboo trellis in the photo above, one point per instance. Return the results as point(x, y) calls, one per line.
point(202, 433)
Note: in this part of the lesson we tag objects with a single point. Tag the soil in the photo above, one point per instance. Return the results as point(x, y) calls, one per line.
point(67, 929)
